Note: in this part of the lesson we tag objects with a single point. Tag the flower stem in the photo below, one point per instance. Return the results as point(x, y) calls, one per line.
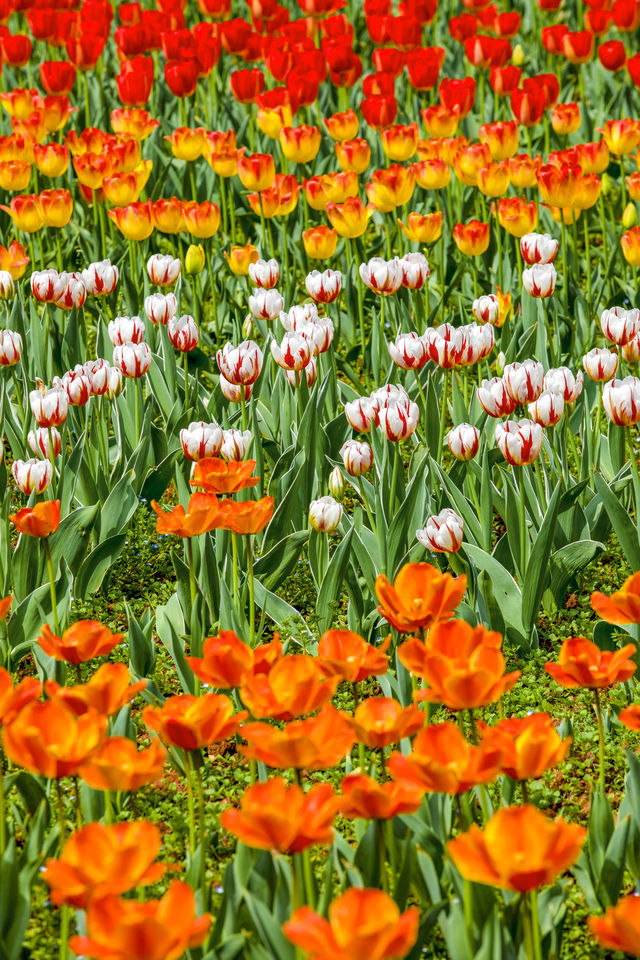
point(598, 707)
point(443, 414)
point(252, 606)
point(52, 585)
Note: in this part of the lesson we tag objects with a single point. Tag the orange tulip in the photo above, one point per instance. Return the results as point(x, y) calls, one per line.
point(201, 219)
point(433, 174)
point(15, 175)
point(225, 661)
point(136, 123)
point(256, 171)
point(39, 521)
point(14, 260)
point(275, 816)
point(619, 928)
point(135, 221)
point(202, 515)
point(246, 517)
point(119, 765)
point(313, 744)
point(583, 664)
point(422, 228)
point(51, 159)
point(362, 924)
point(391, 188)
point(380, 721)
point(108, 690)
point(55, 207)
point(501, 137)
point(168, 215)
point(420, 596)
point(320, 242)
point(442, 761)
point(472, 238)
point(239, 258)
point(342, 126)
point(5, 604)
point(24, 213)
point(220, 476)
point(565, 117)
point(493, 179)
point(523, 170)
point(82, 641)
point(587, 191)
point(344, 654)
point(13, 699)
point(353, 155)
point(621, 136)
point(530, 745)
point(99, 861)
point(463, 666)
point(364, 798)
point(593, 157)
point(516, 216)
point(294, 686)
point(350, 218)
point(557, 184)
point(468, 161)
point(193, 722)
point(400, 141)
point(630, 243)
point(163, 929)
point(300, 144)
point(223, 161)
point(121, 189)
point(440, 121)
point(519, 849)
point(48, 739)
point(621, 607)
point(186, 143)
point(630, 717)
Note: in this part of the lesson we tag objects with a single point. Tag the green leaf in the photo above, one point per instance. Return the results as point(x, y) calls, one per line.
point(330, 589)
point(96, 566)
point(274, 567)
point(538, 566)
point(568, 562)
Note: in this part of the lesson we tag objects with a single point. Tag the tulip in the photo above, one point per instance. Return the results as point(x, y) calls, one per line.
point(382, 931)
point(442, 533)
point(315, 743)
point(83, 641)
point(215, 476)
point(133, 930)
point(441, 761)
point(264, 273)
point(519, 441)
point(539, 280)
point(240, 365)
point(337, 485)
point(47, 739)
point(163, 269)
point(235, 444)
point(98, 861)
point(320, 242)
point(619, 928)
point(565, 118)
point(399, 419)
point(621, 401)
point(100, 279)
point(409, 351)
point(107, 691)
point(13, 699)
point(10, 348)
point(519, 849)
point(620, 325)
point(357, 457)
point(49, 407)
point(126, 330)
point(324, 287)
point(380, 721)
point(415, 270)
point(531, 745)
point(350, 218)
point(160, 308)
point(365, 798)
point(464, 441)
point(621, 607)
point(547, 409)
point(486, 309)
point(192, 722)
point(201, 220)
point(32, 476)
point(501, 137)
point(132, 359)
point(353, 154)
point(292, 687)
point(472, 238)
point(42, 441)
point(47, 286)
point(226, 661)
point(325, 514)
point(621, 136)
point(194, 259)
point(400, 141)
point(135, 221)
point(524, 381)
point(495, 399)
point(516, 216)
point(74, 292)
point(257, 171)
point(600, 365)
point(200, 440)
point(419, 597)
point(293, 353)
point(233, 392)
point(183, 333)
point(266, 303)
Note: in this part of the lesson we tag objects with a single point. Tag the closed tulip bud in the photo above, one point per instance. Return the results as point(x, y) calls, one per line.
point(7, 286)
point(415, 270)
point(73, 293)
point(631, 350)
point(242, 364)
point(247, 327)
point(357, 457)
point(126, 330)
point(538, 248)
point(10, 348)
point(337, 485)
point(442, 533)
point(293, 353)
point(360, 414)
point(382, 276)
point(409, 351)
point(132, 359)
point(98, 373)
point(41, 441)
point(266, 304)
point(621, 401)
point(319, 334)
point(235, 444)
point(501, 362)
point(540, 280)
point(494, 399)
point(200, 440)
point(464, 441)
point(524, 380)
point(114, 383)
point(160, 308)
point(600, 365)
point(77, 387)
point(233, 392)
point(183, 333)
point(325, 514)
point(49, 407)
point(324, 287)
point(194, 259)
point(629, 216)
point(100, 278)
point(547, 410)
point(518, 55)
point(163, 269)
point(398, 420)
point(608, 186)
point(32, 476)
point(486, 309)
point(264, 273)
point(519, 441)
point(562, 380)
point(620, 325)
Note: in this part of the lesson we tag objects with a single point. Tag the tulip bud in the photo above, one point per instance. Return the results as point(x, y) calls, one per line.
point(7, 287)
point(236, 443)
point(183, 333)
point(518, 56)
point(336, 483)
point(325, 514)
point(247, 326)
point(501, 362)
point(49, 407)
point(200, 440)
point(194, 259)
point(32, 476)
point(464, 441)
point(132, 359)
point(163, 269)
point(519, 441)
point(10, 348)
point(607, 185)
point(114, 383)
point(39, 444)
point(629, 216)
point(357, 457)
point(160, 308)
point(442, 533)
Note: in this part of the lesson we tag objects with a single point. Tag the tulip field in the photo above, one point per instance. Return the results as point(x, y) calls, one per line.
point(319, 479)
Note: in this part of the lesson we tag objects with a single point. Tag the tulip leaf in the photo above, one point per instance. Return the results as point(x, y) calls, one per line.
point(505, 589)
point(329, 593)
point(170, 627)
point(281, 612)
point(537, 573)
point(569, 561)
point(625, 531)
point(274, 567)
point(97, 564)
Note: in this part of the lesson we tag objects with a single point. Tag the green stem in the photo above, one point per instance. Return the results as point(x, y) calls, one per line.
point(52, 585)
point(252, 607)
point(236, 588)
point(3, 835)
point(308, 878)
point(535, 925)
point(443, 414)
point(384, 880)
point(598, 707)
point(201, 828)
point(190, 807)
point(523, 527)
point(185, 361)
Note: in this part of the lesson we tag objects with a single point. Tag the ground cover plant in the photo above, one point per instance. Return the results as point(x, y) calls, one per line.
point(319, 485)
